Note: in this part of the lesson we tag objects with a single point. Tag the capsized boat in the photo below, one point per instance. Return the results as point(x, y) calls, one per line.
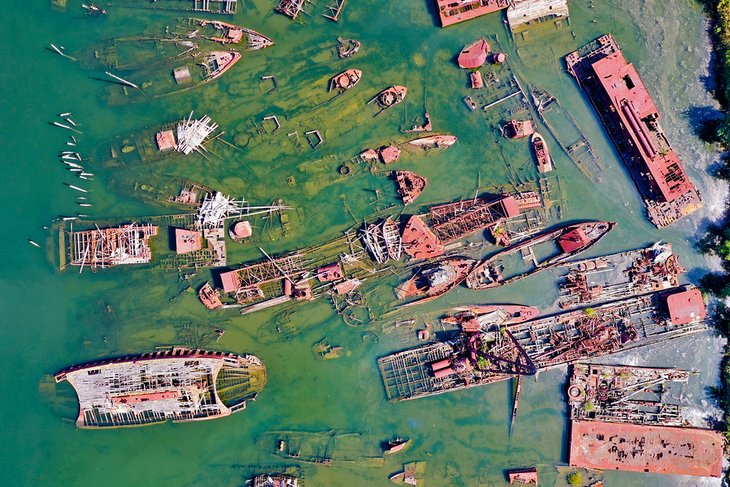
point(226, 33)
point(512, 313)
point(392, 238)
point(390, 97)
point(199, 70)
point(435, 279)
point(345, 80)
point(570, 240)
point(434, 141)
point(542, 155)
point(410, 185)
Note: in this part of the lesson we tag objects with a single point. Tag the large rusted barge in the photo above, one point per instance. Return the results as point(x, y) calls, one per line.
point(632, 120)
point(178, 384)
point(494, 352)
point(631, 273)
point(631, 418)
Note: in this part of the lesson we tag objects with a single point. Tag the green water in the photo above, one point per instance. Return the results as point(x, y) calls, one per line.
point(54, 319)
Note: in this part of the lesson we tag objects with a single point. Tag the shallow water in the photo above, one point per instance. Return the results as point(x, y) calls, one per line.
point(54, 319)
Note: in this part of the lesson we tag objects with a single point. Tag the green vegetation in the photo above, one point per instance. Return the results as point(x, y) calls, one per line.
point(589, 312)
point(717, 239)
point(575, 478)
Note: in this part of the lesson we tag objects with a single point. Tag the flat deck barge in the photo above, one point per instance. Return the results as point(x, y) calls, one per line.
point(617, 276)
point(641, 448)
point(632, 120)
point(494, 352)
point(178, 384)
point(621, 393)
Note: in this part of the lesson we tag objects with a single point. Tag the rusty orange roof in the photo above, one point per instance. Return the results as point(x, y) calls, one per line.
point(636, 109)
point(419, 241)
point(187, 241)
point(230, 281)
point(641, 448)
point(686, 307)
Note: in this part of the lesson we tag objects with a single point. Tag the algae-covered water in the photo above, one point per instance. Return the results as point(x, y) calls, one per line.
point(53, 319)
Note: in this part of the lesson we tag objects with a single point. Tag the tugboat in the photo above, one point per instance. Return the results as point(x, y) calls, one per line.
point(389, 97)
point(544, 161)
point(434, 280)
point(345, 80)
point(571, 240)
point(410, 185)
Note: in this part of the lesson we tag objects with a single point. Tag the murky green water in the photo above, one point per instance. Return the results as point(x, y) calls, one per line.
point(54, 319)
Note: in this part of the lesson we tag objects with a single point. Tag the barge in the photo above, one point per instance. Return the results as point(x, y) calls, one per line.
point(619, 275)
point(178, 384)
point(494, 352)
point(631, 418)
point(621, 393)
point(632, 120)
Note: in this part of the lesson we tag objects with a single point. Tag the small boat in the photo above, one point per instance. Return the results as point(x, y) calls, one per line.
point(435, 279)
point(234, 34)
point(35, 244)
point(93, 10)
point(345, 80)
point(411, 475)
point(390, 97)
point(570, 240)
point(469, 102)
point(394, 446)
point(410, 185)
point(474, 55)
point(392, 239)
point(476, 80)
point(434, 141)
point(210, 297)
point(347, 47)
point(513, 313)
point(544, 161)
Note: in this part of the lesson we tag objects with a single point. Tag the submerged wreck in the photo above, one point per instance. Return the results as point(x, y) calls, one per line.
point(109, 247)
point(487, 352)
point(179, 384)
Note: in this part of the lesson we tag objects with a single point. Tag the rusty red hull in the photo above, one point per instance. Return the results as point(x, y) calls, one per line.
point(640, 448)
